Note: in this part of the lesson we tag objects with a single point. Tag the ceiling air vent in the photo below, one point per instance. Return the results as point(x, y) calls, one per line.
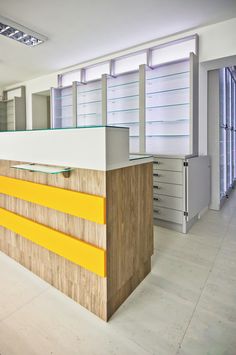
point(19, 33)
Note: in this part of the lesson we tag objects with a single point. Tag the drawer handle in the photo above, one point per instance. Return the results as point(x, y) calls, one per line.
point(157, 211)
point(156, 174)
point(156, 199)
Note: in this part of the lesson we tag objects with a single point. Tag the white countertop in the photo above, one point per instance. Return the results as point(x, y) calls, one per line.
point(95, 148)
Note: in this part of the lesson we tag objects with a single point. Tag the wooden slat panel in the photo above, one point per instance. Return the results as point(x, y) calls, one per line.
point(75, 281)
point(78, 204)
point(73, 249)
point(129, 230)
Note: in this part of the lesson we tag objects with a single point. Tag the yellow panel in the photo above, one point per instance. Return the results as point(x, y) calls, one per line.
point(79, 252)
point(90, 207)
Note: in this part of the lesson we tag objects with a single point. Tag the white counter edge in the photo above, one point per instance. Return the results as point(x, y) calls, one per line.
point(97, 148)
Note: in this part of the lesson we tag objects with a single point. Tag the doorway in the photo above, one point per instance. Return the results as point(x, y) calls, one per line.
point(41, 110)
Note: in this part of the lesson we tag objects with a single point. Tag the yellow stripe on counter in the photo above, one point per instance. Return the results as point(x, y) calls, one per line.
point(83, 205)
point(79, 252)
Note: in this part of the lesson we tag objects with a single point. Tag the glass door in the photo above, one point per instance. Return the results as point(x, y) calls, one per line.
point(223, 130)
point(228, 130)
point(234, 128)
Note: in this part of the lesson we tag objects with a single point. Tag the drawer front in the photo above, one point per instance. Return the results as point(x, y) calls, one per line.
point(171, 177)
point(169, 202)
point(168, 164)
point(168, 214)
point(168, 189)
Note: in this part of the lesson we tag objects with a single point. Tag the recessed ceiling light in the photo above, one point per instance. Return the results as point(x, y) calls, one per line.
point(19, 33)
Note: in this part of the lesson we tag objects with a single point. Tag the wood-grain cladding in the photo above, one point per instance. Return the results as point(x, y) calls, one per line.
point(129, 230)
point(127, 237)
point(80, 284)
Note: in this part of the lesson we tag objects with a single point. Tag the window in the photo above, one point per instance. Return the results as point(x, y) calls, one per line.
point(173, 51)
point(168, 52)
point(129, 63)
point(68, 78)
point(96, 71)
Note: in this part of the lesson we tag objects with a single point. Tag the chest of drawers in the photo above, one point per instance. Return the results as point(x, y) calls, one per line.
point(177, 184)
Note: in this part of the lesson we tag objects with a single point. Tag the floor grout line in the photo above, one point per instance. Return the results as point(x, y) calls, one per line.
point(183, 334)
point(203, 288)
point(25, 304)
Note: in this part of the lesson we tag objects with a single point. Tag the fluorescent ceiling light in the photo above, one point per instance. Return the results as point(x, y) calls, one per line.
point(19, 33)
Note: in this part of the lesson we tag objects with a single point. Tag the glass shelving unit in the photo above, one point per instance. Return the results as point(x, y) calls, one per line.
point(13, 110)
point(123, 105)
point(168, 109)
point(10, 115)
point(89, 103)
point(155, 104)
point(62, 107)
point(2, 116)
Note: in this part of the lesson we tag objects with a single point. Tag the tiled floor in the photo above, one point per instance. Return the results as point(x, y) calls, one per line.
point(186, 306)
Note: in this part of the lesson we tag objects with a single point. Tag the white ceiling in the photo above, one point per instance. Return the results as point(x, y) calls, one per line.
point(82, 30)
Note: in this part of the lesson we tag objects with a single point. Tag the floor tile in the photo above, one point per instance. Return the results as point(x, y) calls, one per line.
point(218, 297)
point(54, 324)
point(187, 248)
point(18, 286)
point(206, 228)
point(182, 278)
point(153, 317)
point(209, 334)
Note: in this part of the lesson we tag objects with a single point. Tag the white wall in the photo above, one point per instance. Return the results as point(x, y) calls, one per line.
point(217, 43)
point(217, 49)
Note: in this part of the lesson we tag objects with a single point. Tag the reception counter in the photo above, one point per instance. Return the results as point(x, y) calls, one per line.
point(76, 210)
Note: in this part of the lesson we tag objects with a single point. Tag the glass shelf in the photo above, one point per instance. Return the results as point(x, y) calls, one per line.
point(42, 168)
point(168, 75)
point(64, 118)
point(123, 97)
point(164, 91)
point(168, 135)
point(62, 106)
point(7, 122)
point(127, 110)
point(169, 121)
point(172, 105)
point(89, 102)
point(84, 91)
point(120, 123)
point(125, 84)
point(63, 128)
point(139, 156)
point(62, 96)
point(88, 114)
